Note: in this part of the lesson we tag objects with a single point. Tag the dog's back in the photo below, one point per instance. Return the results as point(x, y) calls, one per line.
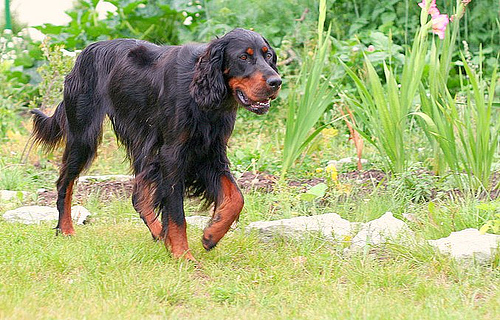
point(86, 86)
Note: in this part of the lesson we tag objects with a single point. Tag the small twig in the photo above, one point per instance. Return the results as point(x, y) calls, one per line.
point(354, 135)
point(292, 56)
point(303, 16)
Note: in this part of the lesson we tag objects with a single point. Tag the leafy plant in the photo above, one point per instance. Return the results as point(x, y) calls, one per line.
point(315, 192)
point(309, 100)
point(19, 58)
point(463, 129)
point(384, 110)
point(413, 185)
point(159, 21)
point(492, 224)
point(59, 63)
point(287, 19)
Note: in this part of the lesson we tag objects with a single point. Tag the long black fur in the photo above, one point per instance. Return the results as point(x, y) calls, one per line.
point(170, 106)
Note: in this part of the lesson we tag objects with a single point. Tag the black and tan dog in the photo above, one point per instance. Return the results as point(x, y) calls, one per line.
point(174, 109)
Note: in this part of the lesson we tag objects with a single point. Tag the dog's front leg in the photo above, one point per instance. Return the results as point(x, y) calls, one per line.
point(174, 222)
point(228, 206)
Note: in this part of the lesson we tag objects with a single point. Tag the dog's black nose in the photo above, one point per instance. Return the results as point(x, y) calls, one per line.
point(274, 82)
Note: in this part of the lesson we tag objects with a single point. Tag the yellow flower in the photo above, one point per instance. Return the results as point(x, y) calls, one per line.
point(332, 170)
point(319, 170)
point(329, 133)
point(344, 188)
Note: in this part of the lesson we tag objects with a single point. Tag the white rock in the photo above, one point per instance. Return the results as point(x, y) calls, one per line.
point(468, 244)
point(381, 230)
point(199, 222)
point(339, 163)
point(330, 225)
point(36, 214)
point(110, 177)
point(7, 195)
point(79, 214)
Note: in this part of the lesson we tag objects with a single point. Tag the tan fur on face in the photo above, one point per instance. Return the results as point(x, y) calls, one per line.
point(254, 87)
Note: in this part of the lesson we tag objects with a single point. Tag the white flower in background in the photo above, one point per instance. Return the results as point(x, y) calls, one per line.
point(68, 53)
point(188, 21)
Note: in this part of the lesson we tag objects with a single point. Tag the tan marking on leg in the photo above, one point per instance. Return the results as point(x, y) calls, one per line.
point(145, 206)
point(227, 210)
point(176, 240)
point(66, 224)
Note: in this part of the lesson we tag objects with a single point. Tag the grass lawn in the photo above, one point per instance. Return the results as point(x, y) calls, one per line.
point(113, 270)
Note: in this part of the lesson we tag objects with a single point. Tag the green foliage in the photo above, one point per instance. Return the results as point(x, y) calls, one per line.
point(400, 18)
point(464, 129)
point(384, 110)
point(159, 21)
point(309, 100)
point(492, 224)
point(413, 185)
point(19, 58)
point(59, 63)
point(316, 192)
point(276, 20)
point(13, 178)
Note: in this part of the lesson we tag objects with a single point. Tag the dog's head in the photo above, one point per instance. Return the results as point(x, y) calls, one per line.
point(242, 64)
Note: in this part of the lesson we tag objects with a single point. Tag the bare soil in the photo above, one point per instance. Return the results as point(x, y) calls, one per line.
point(364, 182)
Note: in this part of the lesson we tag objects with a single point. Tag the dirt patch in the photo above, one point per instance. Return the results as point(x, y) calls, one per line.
point(364, 182)
point(107, 190)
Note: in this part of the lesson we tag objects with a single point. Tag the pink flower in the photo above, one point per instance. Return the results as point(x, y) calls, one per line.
point(439, 23)
point(370, 48)
point(433, 10)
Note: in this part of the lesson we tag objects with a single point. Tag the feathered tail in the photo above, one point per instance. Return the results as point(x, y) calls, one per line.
point(49, 131)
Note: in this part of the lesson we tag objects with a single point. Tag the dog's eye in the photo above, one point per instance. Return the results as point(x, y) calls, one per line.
point(244, 57)
point(269, 55)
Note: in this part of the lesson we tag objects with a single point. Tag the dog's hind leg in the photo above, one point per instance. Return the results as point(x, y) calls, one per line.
point(76, 155)
point(228, 206)
point(84, 134)
point(143, 199)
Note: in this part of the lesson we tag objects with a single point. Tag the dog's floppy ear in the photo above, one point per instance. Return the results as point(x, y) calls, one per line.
point(208, 87)
point(275, 57)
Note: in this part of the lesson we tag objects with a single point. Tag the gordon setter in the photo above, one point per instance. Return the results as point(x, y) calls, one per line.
point(174, 108)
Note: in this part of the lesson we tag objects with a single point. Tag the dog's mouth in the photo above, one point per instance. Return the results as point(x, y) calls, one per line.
point(258, 107)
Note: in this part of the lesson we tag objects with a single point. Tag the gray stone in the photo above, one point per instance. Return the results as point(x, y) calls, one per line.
point(8, 195)
point(199, 222)
point(330, 225)
point(468, 244)
point(381, 230)
point(37, 214)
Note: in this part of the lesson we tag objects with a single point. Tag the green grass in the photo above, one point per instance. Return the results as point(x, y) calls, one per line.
point(116, 271)
point(112, 269)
